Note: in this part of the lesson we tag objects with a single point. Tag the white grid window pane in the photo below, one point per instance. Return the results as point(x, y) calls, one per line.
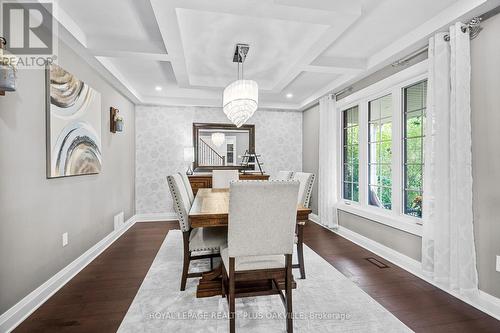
point(350, 141)
point(380, 152)
point(413, 147)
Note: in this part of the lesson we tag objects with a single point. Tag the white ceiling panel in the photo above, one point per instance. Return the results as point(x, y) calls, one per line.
point(301, 47)
point(117, 24)
point(148, 75)
point(304, 85)
point(383, 24)
point(209, 40)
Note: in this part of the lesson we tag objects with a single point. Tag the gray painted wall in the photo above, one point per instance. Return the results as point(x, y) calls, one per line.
point(485, 102)
point(403, 242)
point(35, 211)
point(485, 50)
point(310, 149)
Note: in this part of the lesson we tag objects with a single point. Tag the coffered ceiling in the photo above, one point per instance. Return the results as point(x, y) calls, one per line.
point(179, 52)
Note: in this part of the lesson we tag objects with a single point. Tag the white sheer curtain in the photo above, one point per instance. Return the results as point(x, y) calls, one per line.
point(448, 250)
point(328, 154)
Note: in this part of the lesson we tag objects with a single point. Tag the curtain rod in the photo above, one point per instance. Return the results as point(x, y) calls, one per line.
point(473, 27)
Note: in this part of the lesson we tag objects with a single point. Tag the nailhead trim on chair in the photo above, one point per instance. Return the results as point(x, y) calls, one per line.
point(278, 181)
point(207, 249)
point(309, 191)
point(177, 204)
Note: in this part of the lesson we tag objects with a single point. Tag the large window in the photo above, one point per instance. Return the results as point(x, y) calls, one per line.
point(351, 154)
point(380, 152)
point(383, 150)
point(413, 147)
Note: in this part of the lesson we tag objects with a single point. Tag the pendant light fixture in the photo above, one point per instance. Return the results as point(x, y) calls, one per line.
point(218, 139)
point(240, 98)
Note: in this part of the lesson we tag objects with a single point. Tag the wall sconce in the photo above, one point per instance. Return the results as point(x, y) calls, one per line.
point(115, 120)
point(8, 69)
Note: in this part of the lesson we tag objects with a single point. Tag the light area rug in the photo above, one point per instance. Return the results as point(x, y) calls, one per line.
point(326, 301)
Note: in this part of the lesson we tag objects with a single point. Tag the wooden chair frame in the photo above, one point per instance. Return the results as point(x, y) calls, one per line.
point(188, 257)
point(238, 284)
point(300, 234)
point(300, 250)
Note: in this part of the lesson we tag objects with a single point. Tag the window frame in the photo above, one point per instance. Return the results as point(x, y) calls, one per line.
point(369, 142)
point(393, 85)
point(343, 144)
point(404, 152)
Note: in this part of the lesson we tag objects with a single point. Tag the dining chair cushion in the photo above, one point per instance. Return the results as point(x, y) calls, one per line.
point(222, 178)
point(181, 200)
point(188, 187)
point(284, 175)
point(262, 217)
point(203, 239)
point(247, 263)
point(306, 184)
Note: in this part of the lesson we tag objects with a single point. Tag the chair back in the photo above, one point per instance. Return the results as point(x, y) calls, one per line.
point(306, 184)
point(284, 175)
point(181, 200)
point(222, 178)
point(262, 217)
point(188, 187)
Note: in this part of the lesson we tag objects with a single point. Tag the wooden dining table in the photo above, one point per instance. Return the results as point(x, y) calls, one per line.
point(210, 209)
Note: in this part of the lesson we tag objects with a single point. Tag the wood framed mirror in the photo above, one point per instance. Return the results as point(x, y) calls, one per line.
point(220, 146)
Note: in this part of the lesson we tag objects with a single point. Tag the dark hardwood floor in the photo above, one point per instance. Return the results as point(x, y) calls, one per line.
point(97, 299)
point(418, 304)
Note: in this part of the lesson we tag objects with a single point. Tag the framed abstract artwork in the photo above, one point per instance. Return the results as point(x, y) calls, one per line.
point(73, 122)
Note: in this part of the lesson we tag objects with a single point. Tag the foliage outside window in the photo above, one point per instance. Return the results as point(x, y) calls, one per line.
point(351, 154)
point(383, 150)
point(380, 152)
point(413, 146)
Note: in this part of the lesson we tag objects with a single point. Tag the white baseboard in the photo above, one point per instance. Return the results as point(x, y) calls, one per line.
point(483, 301)
point(488, 304)
point(409, 264)
point(156, 217)
point(25, 307)
point(314, 218)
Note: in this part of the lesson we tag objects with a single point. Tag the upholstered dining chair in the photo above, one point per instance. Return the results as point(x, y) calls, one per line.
point(188, 187)
point(284, 175)
point(261, 229)
point(194, 240)
point(304, 197)
point(222, 178)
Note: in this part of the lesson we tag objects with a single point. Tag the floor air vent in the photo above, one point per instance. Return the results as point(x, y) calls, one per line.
point(377, 263)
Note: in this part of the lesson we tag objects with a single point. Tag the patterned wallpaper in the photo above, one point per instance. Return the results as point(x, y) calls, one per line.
point(163, 132)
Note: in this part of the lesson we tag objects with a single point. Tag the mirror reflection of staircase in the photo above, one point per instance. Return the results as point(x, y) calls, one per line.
point(209, 156)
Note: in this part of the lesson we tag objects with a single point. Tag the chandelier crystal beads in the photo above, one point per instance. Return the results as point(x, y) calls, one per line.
point(240, 98)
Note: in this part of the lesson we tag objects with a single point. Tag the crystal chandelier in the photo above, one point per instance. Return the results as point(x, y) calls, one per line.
point(240, 98)
point(218, 139)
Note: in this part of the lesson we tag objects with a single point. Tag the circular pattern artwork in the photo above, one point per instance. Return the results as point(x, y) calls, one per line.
point(74, 126)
